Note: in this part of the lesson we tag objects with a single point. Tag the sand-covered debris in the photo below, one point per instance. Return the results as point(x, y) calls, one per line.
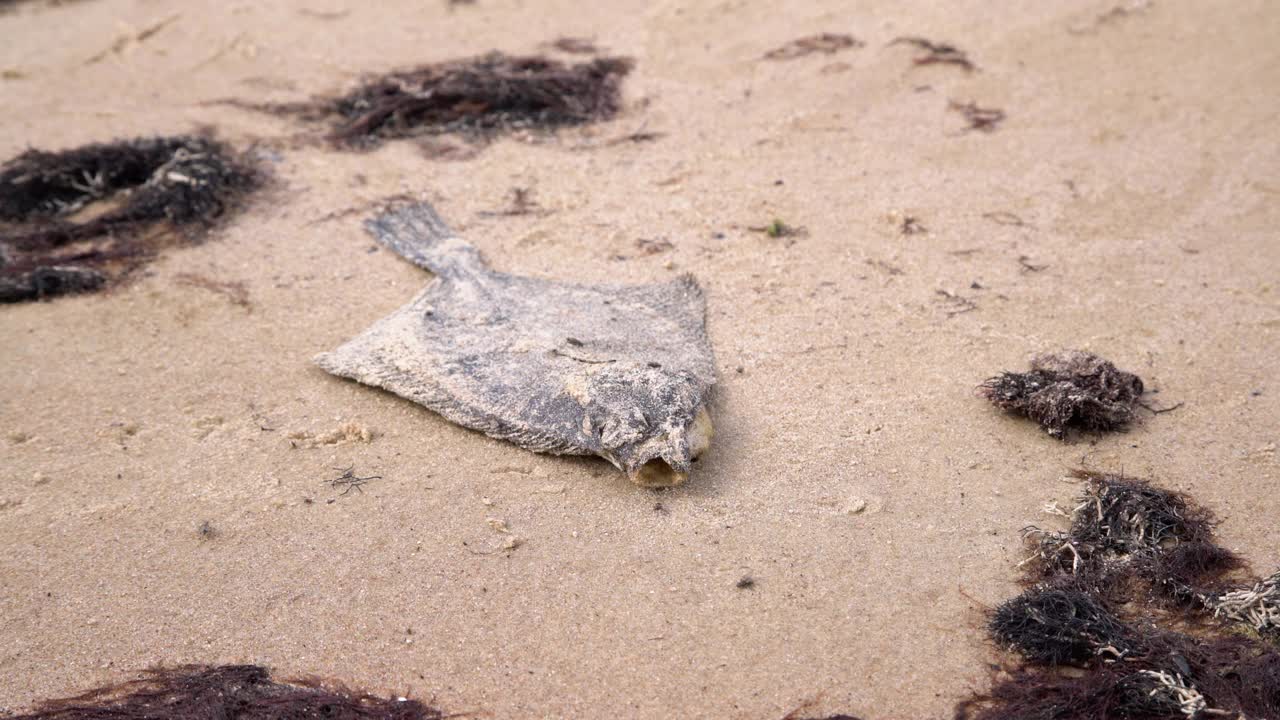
point(1069, 389)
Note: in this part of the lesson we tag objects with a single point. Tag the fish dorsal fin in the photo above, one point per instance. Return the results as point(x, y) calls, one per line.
point(418, 234)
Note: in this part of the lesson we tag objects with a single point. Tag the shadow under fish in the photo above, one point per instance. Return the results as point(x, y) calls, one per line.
point(623, 372)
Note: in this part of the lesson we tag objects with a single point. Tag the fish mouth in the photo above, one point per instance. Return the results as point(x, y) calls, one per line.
point(672, 465)
point(657, 473)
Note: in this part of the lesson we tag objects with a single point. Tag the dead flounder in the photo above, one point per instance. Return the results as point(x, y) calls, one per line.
point(623, 372)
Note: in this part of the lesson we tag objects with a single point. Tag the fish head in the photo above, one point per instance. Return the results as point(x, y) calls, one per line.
point(649, 421)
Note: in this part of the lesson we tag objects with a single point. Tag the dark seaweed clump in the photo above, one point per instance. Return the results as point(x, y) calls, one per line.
point(70, 219)
point(228, 692)
point(1176, 677)
point(1121, 526)
point(1135, 596)
point(483, 95)
point(1127, 515)
point(1071, 389)
point(1189, 572)
point(1052, 626)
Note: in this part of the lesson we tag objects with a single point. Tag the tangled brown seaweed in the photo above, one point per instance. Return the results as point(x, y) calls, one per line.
point(227, 692)
point(1070, 389)
point(1138, 600)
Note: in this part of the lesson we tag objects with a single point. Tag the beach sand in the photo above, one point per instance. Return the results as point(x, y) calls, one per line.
point(1127, 205)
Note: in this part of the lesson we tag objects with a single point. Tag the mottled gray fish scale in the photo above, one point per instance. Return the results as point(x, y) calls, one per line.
point(623, 372)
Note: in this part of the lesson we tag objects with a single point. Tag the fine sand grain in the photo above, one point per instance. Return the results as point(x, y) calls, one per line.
point(169, 452)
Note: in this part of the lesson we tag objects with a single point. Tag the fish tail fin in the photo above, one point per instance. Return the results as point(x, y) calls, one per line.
point(417, 233)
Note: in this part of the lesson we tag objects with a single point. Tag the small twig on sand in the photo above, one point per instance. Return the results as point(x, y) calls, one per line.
point(1027, 266)
point(522, 203)
point(911, 226)
point(639, 136)
point(959, 303)
point(653, 246)
point(574, 45)
point(358, 209)
point(1003, 217)
point(1119, 12)
point(979, 118)
point(234, 291)
point(324, 14)
point(937, 53)
point(1160, 411)
point(134, 38)
point(349, 481)
point(825, 43)
point(887, 267)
